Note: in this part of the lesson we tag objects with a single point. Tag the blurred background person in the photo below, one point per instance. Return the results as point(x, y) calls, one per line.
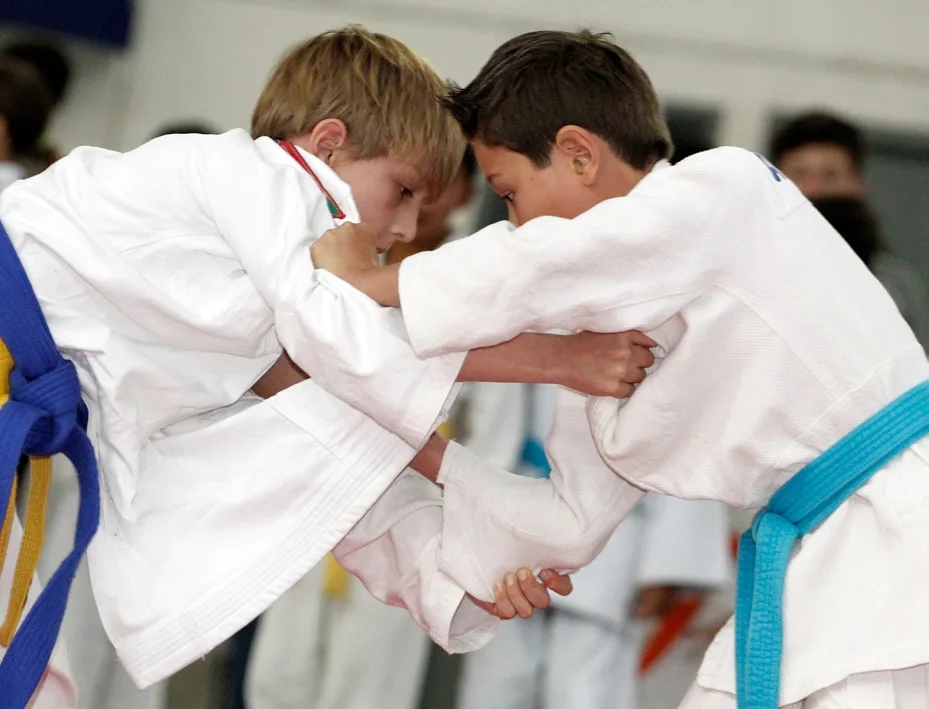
point(25, 108)
point(54, 69)
point(853, 219)
point(825, 156)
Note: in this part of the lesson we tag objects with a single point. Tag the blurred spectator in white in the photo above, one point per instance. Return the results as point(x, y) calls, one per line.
point(824, 155)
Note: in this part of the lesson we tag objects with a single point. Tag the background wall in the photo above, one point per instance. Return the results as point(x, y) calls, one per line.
point(742, 63)
point(209, 57)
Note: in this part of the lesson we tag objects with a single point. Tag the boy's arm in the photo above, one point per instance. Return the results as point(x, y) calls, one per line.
point(592, 363)
point(599, 365)
point(560, 524)
point(627, 264)
point(394, 551)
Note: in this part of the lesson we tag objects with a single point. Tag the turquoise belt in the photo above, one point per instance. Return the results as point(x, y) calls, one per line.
point(799, 507)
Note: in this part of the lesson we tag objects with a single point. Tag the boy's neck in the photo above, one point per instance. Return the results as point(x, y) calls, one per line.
point(622, 179)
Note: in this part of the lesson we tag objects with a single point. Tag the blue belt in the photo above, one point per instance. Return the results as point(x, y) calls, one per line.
point(799, 507)
point(44, 416)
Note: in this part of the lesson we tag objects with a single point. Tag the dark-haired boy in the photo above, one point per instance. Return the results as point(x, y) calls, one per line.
point(788, 379)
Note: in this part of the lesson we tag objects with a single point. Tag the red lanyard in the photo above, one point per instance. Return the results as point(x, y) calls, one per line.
point(334, 208)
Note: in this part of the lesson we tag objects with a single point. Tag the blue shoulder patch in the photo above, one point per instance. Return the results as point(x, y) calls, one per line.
point(775, 173)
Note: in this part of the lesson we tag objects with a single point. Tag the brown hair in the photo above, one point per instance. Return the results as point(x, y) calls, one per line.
point(25, 104)
point(539, 82)
point(387, 96)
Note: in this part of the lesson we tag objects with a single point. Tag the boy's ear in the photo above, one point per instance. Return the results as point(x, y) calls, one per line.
point(327, 137)
point(577, 148)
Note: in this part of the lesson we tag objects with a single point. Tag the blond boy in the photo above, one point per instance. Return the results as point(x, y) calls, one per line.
point(174, 276)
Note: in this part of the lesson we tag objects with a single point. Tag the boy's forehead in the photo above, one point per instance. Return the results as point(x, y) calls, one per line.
point(496, 160)
point(409, 166)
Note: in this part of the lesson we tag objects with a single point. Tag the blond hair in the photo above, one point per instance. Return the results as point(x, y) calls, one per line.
point(387, 96)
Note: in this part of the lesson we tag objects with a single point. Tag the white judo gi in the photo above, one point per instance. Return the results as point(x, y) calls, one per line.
point(585, 654)
point(776, 341)
point(171, 275)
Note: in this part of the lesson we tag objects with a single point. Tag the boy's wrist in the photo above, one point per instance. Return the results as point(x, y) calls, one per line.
point(428, 460)
point(551, 361)
point(380, 283)
point(360, 278)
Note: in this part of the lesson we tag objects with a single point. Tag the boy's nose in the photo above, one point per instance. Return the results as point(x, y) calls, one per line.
point(404, 226)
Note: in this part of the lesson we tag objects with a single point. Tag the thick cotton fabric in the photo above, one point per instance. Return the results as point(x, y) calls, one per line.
point(172, 276)
point(777, 342)
point(895, 689)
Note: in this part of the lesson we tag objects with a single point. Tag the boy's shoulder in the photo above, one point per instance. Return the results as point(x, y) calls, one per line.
point(230, 140)
point(725, 171)
point(728, 161)
point(276, 171)
point(742, 175)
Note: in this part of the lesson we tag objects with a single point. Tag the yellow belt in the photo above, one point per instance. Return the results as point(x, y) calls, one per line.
point(40, 479)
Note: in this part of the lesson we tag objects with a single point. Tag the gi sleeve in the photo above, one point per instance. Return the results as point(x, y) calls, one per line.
point(270, 215)
point(497, 522)
point(301, 474)
point(394, 550)
point(628, 263)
